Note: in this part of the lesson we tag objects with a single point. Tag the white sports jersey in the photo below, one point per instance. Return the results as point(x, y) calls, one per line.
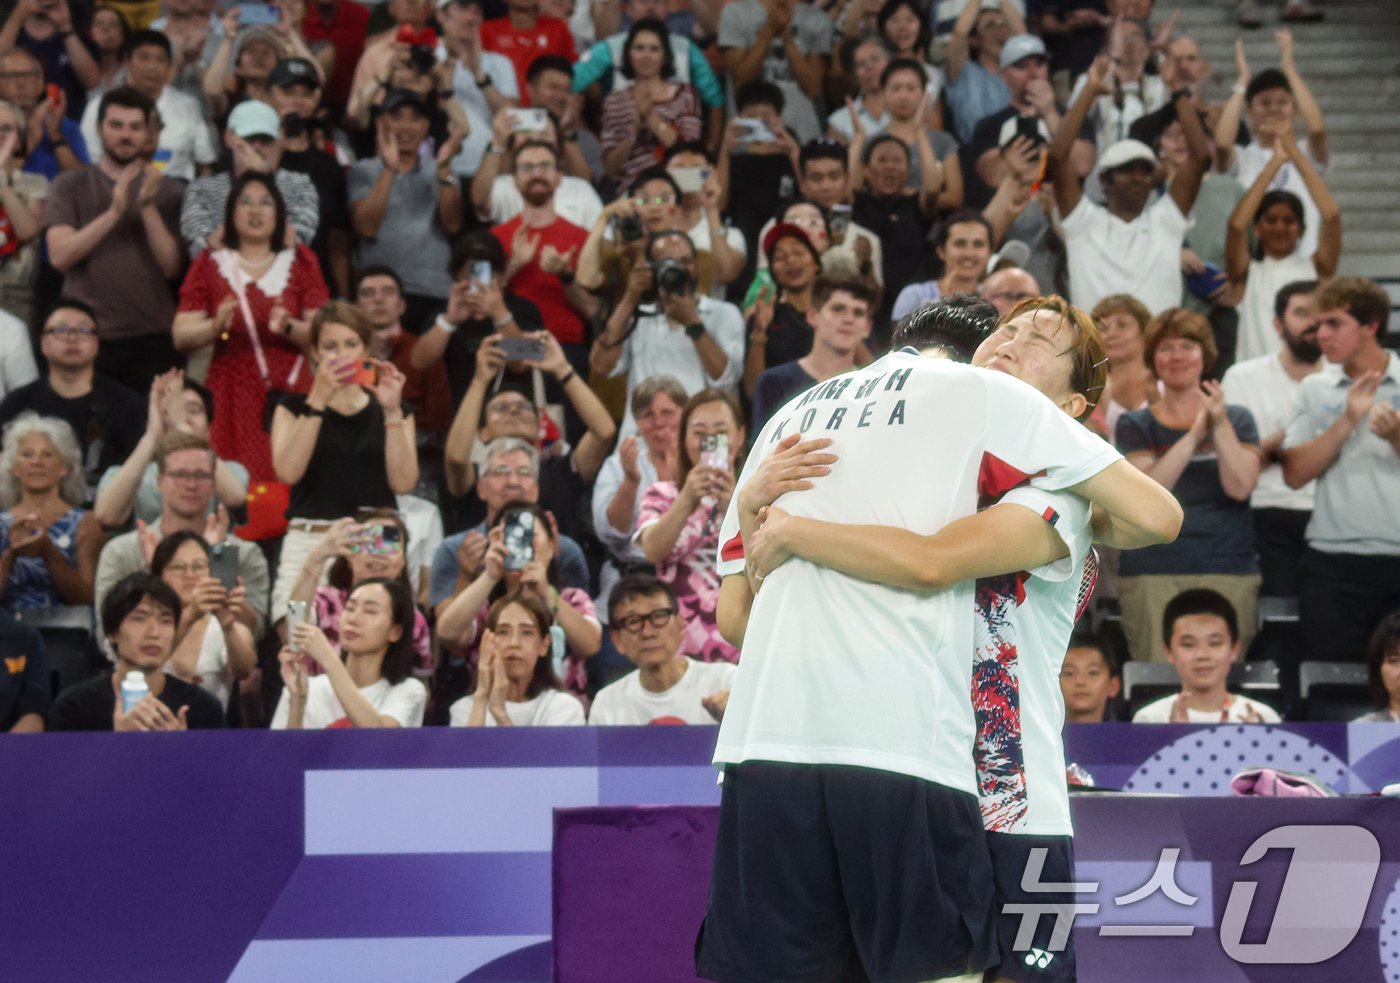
point(838, 670)
point(1021, 633)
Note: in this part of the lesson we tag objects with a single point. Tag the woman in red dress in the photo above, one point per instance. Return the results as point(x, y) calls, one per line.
point(252, 300)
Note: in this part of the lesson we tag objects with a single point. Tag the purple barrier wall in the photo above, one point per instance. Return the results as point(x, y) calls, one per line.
point(346, 856)
point(630, 888)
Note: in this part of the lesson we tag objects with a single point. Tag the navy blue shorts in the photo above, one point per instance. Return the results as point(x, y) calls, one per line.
point(1038, 958)
point(830, 874)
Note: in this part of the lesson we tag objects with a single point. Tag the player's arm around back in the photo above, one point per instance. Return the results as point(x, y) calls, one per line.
point(1130, 509)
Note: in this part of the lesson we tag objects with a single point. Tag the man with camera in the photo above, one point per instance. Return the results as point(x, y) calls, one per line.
point(662, 325)
point(294, 87)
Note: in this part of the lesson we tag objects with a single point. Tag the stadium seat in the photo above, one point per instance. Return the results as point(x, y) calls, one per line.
point(1334, 690)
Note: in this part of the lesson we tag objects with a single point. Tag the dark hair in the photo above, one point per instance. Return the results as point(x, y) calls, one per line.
point(122, 22)
point(128, 98)
point(1288, 291)
point(649, 25)
point(543, 677)
point(1199, 600)
point(655, 173)
point(205, 396)
point(1363, 299)
point(1093, 640)
point(688, 147)
point(340, 576)
point(704, 398)
point(127, 594)
point(398, 658)
point(847, 51)
point(547, 63)
point(827, 284)
point(957, 323)
point(1384, 640)
point(632, 586)
point(759, 93)
point(473, 246)
point(69, 303)
point(879, 141)
point(822, 148)
point(279, 225)
point(1276, 197)
point(889, 10)
point(380, 269)
point(145, 38)
point(963, 216)
point(170, 545)
point(1269, 78)
point(902, 64)
point(656, 237)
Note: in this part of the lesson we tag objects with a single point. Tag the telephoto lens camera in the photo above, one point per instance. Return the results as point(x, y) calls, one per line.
point(423, 58)
point(629, 228)
point(671, 276)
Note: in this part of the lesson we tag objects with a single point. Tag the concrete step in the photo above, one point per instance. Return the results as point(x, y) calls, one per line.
point(1378, 122)
point(1366, 220)
point(1343, 139)
point(1372, 197)
point(1364, 241)
point(1375, 267)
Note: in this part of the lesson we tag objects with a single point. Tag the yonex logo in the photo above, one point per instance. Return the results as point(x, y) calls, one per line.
point(1039, 958)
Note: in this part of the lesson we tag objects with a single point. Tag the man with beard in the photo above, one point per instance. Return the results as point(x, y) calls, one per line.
point(1267, 387)
point(113, 231)
point(1134, 244)
point(542, 252)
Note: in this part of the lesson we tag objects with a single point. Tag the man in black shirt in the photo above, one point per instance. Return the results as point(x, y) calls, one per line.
point(139, 617)
point(24, 678)
point(107, 418)
point(294, 89)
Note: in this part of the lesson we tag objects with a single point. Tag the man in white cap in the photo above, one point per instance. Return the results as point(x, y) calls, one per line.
point(1132, 244)
point(1025, 68)
point(253, 137)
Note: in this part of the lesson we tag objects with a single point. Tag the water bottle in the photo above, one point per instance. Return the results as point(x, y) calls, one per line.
point(134, 690)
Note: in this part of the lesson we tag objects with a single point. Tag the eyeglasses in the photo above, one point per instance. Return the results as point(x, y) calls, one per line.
point(659, 618)
point(511, 407)
point(539, 167)
point(194, 566)
point(70, 331)
point(199, 476)
point(506, 471)
point(642, 202)
point(33, 73)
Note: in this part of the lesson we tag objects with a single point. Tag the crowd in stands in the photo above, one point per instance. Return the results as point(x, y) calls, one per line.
point(393, 365)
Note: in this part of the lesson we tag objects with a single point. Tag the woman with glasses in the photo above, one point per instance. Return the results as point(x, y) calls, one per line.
point(374, 544)
point(529, 570)
point(367, 682)
point(515, 681)
point(252, 301)
point(22, 197)
point(213, 649)
point(48, 542)
point(678, 521)
point(346, 445)
point(652, 113)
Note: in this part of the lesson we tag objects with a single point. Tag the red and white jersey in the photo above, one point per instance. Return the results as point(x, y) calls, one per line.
point(1020, 635)
point(837, 670)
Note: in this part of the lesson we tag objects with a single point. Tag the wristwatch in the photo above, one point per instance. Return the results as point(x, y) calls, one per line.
point(694, 331)
point(485, 81)
point(566, 276)
point(447, 180)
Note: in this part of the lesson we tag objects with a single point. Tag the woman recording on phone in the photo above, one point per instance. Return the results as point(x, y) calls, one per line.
point(372, 544)
point(352, 423)
point(368, 682)
point(678, 521)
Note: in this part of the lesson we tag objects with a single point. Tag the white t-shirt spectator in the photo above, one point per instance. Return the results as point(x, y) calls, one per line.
point(405, 701)
point(551, 708)
point(424, 522)
point(574, 200)
point(1235, 712)
point(627, 703)
point(658, 347)
point(843, 671)
point(184, 133)
point(1110, 256)
point(1267, 391)
point(17, 366)
point(1250, 162)
point(1266, 276)
point(739, 26)
point(502, 74)
point(211, 667)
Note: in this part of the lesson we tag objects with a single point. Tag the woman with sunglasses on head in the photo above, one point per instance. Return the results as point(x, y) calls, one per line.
point(515, 681)
point(375, 544)
point(529, 570)
point(368, 682)
point(213, 649)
